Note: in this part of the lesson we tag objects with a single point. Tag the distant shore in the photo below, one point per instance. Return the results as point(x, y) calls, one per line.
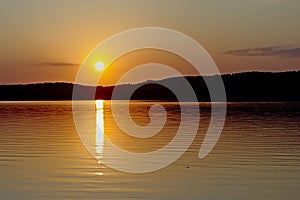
point(248, 86)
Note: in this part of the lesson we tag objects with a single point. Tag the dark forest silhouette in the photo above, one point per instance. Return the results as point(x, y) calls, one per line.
point(248, 86)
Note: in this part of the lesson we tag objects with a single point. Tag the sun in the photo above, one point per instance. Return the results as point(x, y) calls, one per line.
point(99, 66)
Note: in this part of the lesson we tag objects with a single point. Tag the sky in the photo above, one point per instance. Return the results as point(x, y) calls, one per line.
point(46, 41)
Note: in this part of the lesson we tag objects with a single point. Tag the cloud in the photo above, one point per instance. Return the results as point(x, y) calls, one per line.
point(38, 64)
point(275, 51)
point(59, 64)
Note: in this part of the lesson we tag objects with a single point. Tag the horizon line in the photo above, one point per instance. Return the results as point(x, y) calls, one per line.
point(66, 82)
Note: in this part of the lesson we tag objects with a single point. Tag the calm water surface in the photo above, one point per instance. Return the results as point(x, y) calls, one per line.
point(256, 157)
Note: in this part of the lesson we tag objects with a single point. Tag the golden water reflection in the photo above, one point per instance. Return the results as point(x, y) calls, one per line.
point(257, 156)
point(99, 140)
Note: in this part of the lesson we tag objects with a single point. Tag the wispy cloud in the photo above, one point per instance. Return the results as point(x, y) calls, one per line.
point(275, 51)
point(47, 64)
point(59, 64)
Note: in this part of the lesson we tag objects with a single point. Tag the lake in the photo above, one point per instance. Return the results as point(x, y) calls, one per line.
point(42, 156)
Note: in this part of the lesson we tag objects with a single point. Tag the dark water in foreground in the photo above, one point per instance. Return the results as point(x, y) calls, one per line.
point(256, 157)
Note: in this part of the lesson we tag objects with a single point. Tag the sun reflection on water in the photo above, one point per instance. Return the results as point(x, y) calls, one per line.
point(99, 140)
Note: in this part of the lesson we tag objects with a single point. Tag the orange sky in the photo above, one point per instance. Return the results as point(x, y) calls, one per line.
point(47, 40)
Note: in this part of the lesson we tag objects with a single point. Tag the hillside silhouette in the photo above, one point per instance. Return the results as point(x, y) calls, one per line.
point(248, 86)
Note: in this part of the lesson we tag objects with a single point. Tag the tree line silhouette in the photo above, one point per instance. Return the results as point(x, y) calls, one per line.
point(247, 86)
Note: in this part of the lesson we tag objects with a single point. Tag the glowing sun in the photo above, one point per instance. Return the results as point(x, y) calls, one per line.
point(99, 66)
